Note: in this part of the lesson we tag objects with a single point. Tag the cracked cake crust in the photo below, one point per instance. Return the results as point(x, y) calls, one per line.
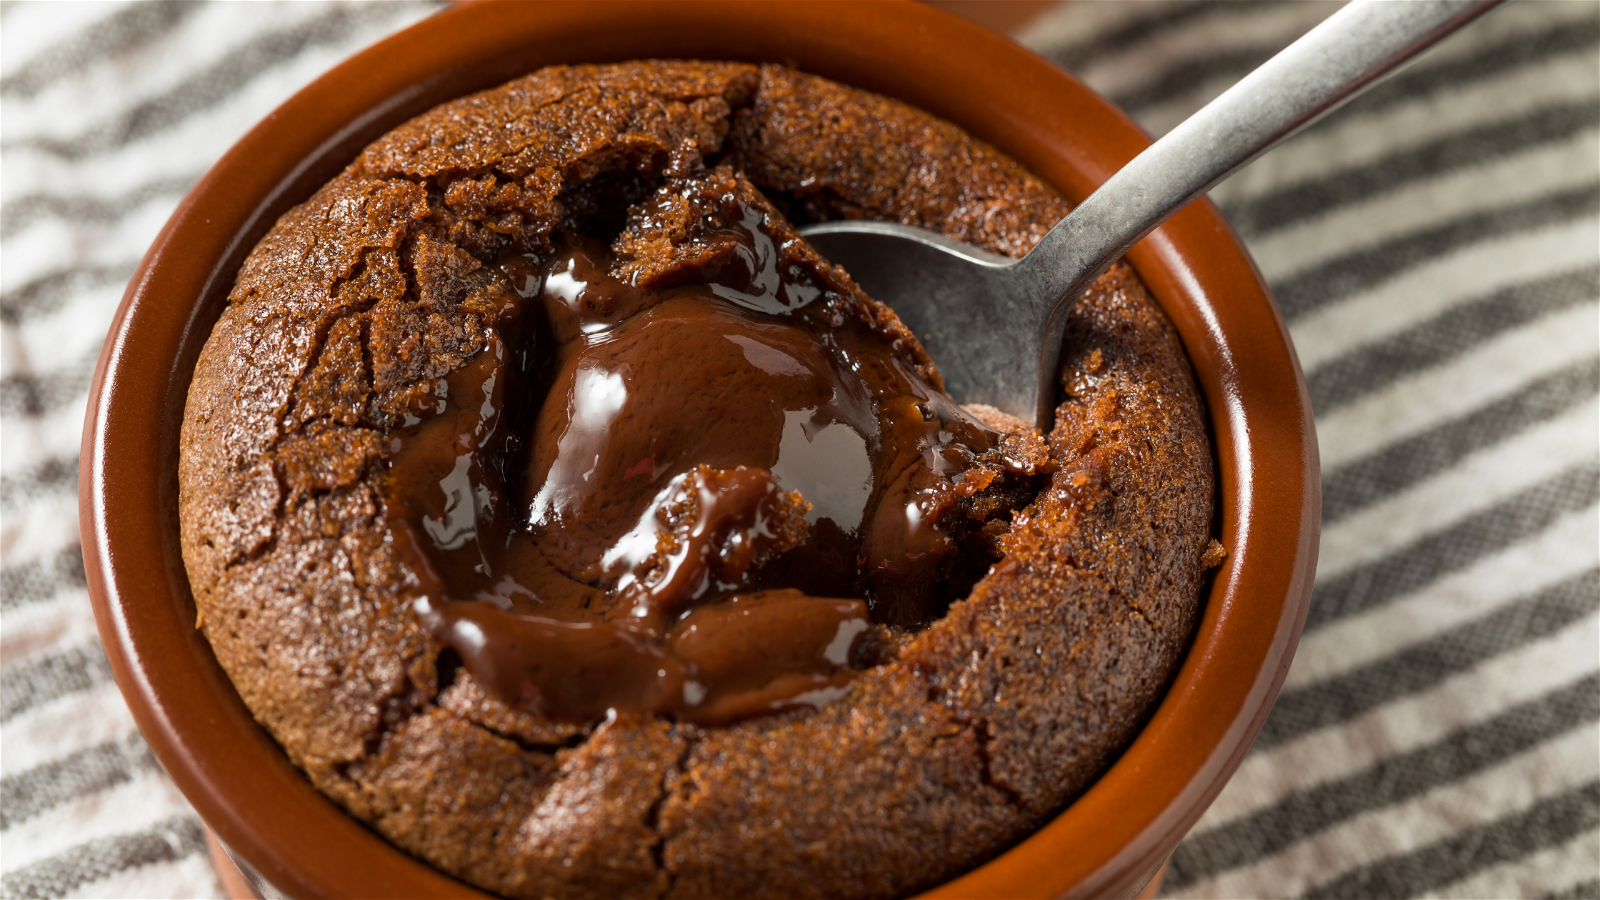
point(360, 301)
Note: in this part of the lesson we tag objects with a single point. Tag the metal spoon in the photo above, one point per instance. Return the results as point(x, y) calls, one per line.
point(980, 310)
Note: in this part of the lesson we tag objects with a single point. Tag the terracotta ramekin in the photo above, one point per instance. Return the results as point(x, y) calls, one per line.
point(1107, 843)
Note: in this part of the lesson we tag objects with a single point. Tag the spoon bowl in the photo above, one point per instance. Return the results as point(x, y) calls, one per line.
point(996, 324)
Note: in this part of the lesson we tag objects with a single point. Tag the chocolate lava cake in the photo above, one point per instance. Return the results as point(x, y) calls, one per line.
point(575, 525)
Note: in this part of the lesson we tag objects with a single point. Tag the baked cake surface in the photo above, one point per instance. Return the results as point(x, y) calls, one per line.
point(963, 737)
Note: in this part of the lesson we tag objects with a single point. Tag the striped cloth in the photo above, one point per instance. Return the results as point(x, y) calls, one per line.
point(108, 114)
point(1435, 249)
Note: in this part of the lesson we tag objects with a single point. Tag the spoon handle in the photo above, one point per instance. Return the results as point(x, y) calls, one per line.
point(1319, 72)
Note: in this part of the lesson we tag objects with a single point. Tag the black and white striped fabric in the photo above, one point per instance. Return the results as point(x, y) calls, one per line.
point(108, 114)
point(1435, 249)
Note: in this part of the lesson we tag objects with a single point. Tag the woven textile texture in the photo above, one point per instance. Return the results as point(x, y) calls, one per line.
point(108, 114)
point(1435, 249)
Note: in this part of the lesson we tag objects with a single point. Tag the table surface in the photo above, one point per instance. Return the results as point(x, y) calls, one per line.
point(1434, 248)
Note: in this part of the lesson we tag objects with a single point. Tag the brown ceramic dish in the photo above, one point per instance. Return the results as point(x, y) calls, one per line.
point(1109, 841)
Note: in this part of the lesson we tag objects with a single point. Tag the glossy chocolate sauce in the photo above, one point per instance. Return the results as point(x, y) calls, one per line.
point(726, 493)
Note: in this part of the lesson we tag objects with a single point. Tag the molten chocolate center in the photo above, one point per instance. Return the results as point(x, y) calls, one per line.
point(721, 492)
